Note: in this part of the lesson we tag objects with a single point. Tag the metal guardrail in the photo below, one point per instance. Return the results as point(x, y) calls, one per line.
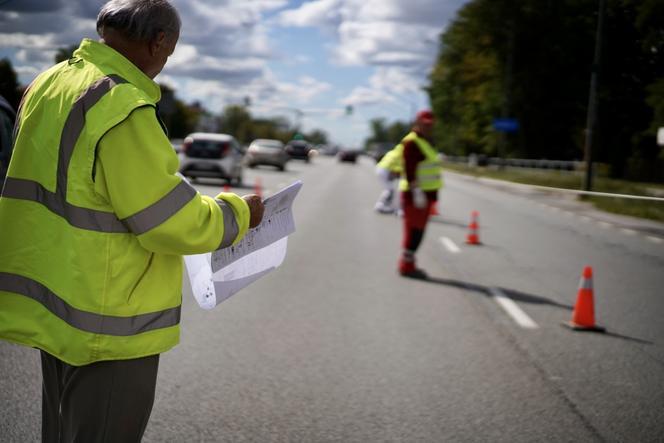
point(560, 165)
point(479, 160)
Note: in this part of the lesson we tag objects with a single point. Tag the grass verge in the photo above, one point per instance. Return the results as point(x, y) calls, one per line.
point(649, 209)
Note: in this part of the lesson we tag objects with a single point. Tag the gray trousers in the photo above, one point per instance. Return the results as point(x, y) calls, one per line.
point(108, 401)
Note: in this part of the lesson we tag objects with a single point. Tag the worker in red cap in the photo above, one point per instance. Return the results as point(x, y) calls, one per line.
point(420, 181)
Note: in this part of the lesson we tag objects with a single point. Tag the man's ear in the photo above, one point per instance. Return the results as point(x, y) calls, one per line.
point(157, 43)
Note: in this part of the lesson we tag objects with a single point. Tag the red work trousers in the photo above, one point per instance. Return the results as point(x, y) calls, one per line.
point(414, 223)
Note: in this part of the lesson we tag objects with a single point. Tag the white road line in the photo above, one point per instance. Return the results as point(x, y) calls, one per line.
point(450, 245)
point(654, 239)
point(605, 224)
point(584, 218)
point(628, 231)
point(512, 309)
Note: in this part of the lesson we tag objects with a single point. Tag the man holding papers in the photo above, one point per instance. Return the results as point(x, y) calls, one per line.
point(94, 221)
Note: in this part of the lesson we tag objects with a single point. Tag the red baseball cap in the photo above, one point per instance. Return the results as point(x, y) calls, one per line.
point(425, 116)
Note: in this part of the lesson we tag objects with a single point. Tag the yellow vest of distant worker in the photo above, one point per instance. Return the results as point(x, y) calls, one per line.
point(393, 159)
point(428, 173)
point(74, 279)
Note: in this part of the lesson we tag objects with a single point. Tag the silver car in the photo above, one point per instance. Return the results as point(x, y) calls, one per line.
point(266, 152)
point(211, 155)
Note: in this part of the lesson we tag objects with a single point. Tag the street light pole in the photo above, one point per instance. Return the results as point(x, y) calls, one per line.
point(592, 99)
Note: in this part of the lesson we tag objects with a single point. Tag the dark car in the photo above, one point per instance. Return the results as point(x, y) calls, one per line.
point(298, 149)
point(348, 155)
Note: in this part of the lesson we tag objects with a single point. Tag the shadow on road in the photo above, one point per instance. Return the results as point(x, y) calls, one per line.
point(525, 298)
point(626, 337)
point(511, 293)
point(445, 221)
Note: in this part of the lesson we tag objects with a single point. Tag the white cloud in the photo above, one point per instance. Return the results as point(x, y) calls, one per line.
point(399, 38)
point(319, 13)
point(367, 96)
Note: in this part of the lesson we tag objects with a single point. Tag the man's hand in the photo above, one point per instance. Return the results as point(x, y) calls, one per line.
point(256, 209)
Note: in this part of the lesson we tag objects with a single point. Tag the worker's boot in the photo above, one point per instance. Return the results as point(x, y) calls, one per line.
point(407, 266)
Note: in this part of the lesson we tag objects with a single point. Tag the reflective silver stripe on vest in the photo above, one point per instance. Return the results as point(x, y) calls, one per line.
point(432, 177)
point(231, 228)
point(162, 210)
point(88, 321)
point(74, 126)
point(83, 218)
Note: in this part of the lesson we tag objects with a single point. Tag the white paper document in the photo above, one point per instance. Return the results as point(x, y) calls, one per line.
point(216, 276)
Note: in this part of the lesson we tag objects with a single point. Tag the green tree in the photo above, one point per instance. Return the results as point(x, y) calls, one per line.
point(317, 137)
point(236, 121)
point(65, 53)
point(9, 87)
point(396, 131)
point(531, 60)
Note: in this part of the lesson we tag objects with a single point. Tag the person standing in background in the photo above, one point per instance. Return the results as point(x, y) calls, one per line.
point(388, 171)
point(420, 181)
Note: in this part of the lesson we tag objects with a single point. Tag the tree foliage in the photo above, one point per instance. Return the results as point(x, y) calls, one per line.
point(531, 60)
point(9, 87)
point(381, 132)
point(237, 121)
point(66, 53)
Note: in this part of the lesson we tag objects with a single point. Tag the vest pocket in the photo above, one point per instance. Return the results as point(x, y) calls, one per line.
point(141, 276)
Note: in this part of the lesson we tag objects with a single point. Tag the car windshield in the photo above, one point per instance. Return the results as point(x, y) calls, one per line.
point(270, 144)
point(208, 148)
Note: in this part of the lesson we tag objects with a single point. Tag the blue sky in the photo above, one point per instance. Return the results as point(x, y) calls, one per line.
point(311, 57)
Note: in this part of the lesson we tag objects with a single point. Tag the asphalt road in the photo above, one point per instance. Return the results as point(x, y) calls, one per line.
point(335, 346)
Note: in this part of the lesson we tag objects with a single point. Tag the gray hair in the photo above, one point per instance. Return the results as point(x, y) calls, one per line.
point(139, 20)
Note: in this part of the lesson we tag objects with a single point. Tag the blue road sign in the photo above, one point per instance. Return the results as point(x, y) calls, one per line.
point(506, 124)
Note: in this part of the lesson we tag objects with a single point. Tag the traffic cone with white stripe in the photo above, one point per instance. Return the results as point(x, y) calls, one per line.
point(583, 317)
point(473, 237)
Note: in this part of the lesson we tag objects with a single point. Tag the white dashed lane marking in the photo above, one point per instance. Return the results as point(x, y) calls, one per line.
point(450, 245)
point(513, 310)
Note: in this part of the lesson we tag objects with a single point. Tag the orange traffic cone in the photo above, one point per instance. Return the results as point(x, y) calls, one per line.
point(583, 318)
point(433, 209)
point(473, 237)
point(227, 188)
point(258, 187)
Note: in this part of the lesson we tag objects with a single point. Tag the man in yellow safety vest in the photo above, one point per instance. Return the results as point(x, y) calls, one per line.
point(420, 181)
point(94, 221)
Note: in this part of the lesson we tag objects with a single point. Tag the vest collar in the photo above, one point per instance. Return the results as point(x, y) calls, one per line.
point(110, 61)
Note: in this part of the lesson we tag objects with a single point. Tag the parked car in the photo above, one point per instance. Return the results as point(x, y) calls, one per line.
point(266, 152)
point(298, 149)
point(211, 155)
point(348, 155)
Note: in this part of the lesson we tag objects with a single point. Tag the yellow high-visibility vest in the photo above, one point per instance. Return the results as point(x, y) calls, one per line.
point(88, 274)
point(428, 173)
point(393, 159)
